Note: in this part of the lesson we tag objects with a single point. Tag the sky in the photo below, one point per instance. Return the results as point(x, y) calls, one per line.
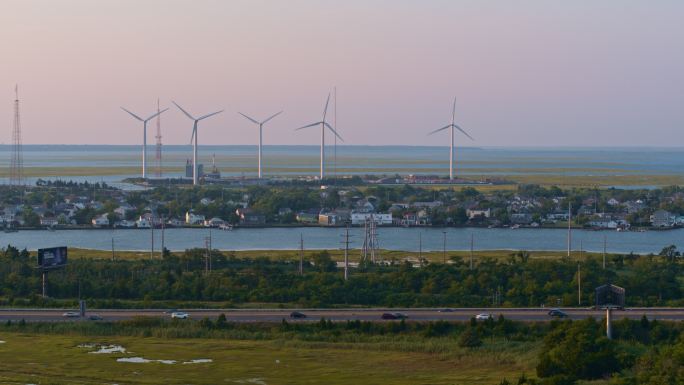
point(525, 73)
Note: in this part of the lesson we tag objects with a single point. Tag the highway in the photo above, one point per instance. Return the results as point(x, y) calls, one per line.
point(276, 315)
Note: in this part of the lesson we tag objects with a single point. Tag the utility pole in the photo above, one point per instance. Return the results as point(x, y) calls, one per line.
point(112, 248)
point(346, 252)
point(605, 240)
point(44, 284)
point(152, 236)
point(444, 248)
point(301, 254)
point(207, 242)
point(579, 284)
point(472, 236)
point(569, 228)
point(420, 246)
point(162, 237)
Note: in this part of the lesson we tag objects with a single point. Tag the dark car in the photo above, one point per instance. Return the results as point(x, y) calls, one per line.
point(393, 316)
point(557, 313)
point(296, 314)
point(388, 316)
point(447, 310)
point(95, 317)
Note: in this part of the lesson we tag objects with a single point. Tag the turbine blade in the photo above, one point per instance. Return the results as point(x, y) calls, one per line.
point(272, 116)
point(325, 110)
point(440, 129)
point(333, 131)
point(192, 135)
point(453, 111)
point(464, 133)
point(155, 114)
point(208, 115)
point(133, 115)
point(247, 117)
point(308, 125)
point(185, 112)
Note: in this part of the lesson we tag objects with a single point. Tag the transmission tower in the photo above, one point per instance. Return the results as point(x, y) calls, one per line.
point(158, 156)
point(370, 240)
point(17, 161)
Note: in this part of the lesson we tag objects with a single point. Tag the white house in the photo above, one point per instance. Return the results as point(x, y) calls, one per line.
point(100, 221)
point(359, 218)
point(192, 219)
point(48, 221)
point(472, 213)
point(214, 222)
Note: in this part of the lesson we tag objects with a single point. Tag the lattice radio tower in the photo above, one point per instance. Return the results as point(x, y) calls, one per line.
point(17, 161)
point(370, 247)
point(158, 155)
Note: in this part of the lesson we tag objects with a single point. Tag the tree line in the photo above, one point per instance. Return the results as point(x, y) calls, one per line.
point(181, 277)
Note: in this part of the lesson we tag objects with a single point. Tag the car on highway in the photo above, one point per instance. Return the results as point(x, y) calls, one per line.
point(483, 317)
point(180, 315)
point(447, 310)
point(558, 313)
point(95, 317)
point(297, 314)
point(389, 316)
point(71, 314)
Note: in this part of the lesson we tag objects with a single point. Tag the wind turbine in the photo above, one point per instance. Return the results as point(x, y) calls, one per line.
point(193, 139)
point(144, 152)
point(452, 125)
point(323, 124)
point(261, 125)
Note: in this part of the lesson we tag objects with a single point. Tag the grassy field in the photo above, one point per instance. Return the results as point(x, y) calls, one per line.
point(57, 359)
point(338, 255)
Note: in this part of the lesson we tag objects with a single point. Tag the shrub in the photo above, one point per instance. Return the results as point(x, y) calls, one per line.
point(470, 338)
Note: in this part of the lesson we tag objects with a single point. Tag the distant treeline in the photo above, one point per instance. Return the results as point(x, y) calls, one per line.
point(181, 278)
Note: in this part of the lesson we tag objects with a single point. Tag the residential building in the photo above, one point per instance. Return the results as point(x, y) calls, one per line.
point(100, 221)
point(359, 218)
point(663, 218)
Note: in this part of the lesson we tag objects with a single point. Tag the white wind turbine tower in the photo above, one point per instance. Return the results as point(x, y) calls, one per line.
point(452, 125)
point(144, 149)
point(193, 139)
point(323, 124)
point(261, 126)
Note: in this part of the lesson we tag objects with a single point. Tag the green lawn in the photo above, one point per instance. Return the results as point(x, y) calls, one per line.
point(57, 359)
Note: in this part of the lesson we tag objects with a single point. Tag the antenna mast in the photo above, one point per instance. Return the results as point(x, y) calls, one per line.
point(158, 155)
point(17, 162)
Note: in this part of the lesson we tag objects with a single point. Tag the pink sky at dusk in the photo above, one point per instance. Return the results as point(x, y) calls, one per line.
point(526, 73)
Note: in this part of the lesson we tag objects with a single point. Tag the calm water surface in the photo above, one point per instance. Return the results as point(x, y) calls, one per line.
point(405, 239)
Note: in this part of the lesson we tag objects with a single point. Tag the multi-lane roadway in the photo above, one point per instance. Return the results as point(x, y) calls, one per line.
point(276, 315)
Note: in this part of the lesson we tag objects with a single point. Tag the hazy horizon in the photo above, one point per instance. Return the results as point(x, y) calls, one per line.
point(526, 74)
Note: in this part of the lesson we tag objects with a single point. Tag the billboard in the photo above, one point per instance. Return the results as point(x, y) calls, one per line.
point(52, 257)
point(610, 296)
